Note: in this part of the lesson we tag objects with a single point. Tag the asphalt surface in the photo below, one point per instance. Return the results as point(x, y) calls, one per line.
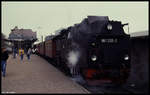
point(36, 76)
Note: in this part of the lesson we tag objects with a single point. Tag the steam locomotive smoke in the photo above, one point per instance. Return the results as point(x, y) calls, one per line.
point(73, 57)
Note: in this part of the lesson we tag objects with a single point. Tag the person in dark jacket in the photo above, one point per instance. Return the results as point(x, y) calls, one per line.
point(14, 52)
point(4, 58)
point(29, 53)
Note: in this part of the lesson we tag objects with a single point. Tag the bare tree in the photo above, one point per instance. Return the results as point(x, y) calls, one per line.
point(3, 43)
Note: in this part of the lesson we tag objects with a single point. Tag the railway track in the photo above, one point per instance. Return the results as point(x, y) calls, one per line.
point(106, 88)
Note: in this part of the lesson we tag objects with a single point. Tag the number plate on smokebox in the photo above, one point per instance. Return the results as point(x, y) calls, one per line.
point(109, 40)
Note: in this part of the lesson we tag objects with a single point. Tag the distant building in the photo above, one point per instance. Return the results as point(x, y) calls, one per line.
point(22, 38)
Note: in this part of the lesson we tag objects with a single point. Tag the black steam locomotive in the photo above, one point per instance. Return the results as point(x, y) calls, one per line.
point(96, 48)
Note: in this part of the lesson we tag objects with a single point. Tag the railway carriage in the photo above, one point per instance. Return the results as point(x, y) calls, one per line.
point(42, 48)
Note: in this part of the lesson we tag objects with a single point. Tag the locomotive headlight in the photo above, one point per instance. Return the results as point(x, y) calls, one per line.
point(94, 58)
point(126, 57)
point(109, 27)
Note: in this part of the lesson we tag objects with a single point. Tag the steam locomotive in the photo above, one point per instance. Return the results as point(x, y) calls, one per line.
point(96, 48)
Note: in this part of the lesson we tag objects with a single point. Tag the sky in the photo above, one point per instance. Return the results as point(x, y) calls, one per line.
point(47, 17)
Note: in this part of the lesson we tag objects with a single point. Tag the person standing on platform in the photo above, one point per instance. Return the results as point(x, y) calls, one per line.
point(21, 53)
point(15, 52)
point(29, 53)
point(4, 58)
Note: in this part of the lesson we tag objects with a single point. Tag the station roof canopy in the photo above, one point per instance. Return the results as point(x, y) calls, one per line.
point(16, 39)
point(139, 34)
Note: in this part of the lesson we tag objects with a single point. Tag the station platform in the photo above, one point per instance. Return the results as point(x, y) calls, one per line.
point(36, 76)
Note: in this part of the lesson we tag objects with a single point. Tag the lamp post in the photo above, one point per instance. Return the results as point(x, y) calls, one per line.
point(42, 34)
point(42, 38)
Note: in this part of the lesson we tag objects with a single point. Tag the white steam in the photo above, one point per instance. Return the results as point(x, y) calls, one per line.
point(73, 57)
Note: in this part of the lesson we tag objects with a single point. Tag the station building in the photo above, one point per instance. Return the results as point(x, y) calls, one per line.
point(22, 38)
